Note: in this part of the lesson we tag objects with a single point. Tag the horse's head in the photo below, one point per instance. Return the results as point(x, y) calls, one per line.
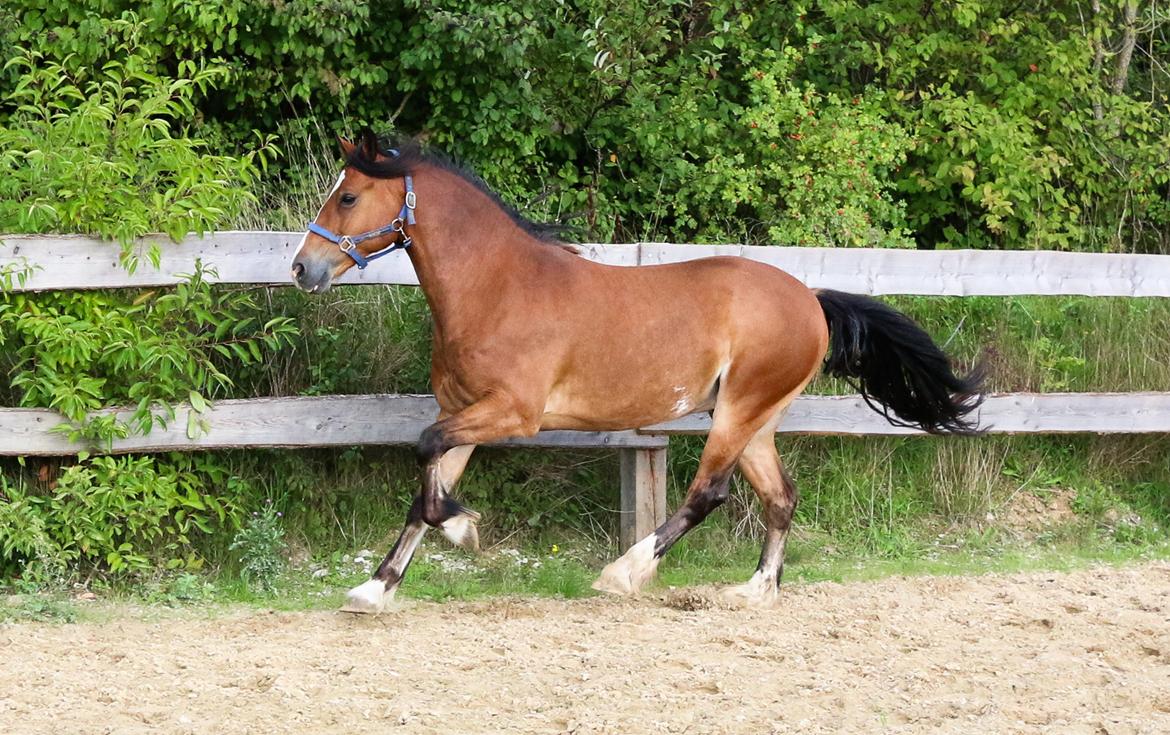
point(357, 223)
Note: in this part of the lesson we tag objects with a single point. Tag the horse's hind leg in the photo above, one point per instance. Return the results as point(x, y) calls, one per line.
point(761, 466)
point(707, 491)
point(372, 596)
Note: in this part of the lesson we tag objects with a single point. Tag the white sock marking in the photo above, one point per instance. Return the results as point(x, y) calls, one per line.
point(460, 530)
point(415, 536)
point(627, 574)
point(759, 591)
point(370, 596)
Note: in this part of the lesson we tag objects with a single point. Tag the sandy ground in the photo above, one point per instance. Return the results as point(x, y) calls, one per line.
point(1086, 652)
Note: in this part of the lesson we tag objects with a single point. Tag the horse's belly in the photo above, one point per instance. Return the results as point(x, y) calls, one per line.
point(624, 407)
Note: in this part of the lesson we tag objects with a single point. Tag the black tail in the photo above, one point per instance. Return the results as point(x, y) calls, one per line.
point(896, 366)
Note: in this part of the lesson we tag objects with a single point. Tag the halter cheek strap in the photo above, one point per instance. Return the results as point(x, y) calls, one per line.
point(348, 243)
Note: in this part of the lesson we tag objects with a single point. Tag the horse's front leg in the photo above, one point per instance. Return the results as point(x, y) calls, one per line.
point(491, 419)
point(374, 595)
point(443, 450)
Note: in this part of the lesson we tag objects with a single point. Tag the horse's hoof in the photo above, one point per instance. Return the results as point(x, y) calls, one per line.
point(614, 580)
point(759, 592)
point(461, 530)
point(627, 574)
point(368, 598)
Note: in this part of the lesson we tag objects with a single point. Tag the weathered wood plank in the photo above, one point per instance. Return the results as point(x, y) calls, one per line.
point(74, 262)
point(947, 272)
point(1009, 413)
point(643, 473)
point(385, 419)
point(263, 258)
point(59, 262)
point(317, 421)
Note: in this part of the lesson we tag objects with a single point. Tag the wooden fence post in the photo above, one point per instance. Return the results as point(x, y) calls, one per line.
point(643, 473)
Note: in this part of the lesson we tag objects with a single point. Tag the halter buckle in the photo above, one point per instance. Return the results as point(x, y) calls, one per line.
point(411, 199)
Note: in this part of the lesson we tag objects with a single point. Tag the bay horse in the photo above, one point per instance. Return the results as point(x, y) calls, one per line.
point(528, 335)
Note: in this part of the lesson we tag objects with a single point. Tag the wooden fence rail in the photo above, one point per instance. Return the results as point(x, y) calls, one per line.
point(63, 262)
point(332, 421)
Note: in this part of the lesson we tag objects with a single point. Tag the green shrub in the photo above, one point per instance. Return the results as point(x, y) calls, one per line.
point(104, 151)
point(1017, 126)
point(260, 544)
point(125, 514)
point(97, 152)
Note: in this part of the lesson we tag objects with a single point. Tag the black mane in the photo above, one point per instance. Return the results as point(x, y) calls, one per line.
point(373, 158)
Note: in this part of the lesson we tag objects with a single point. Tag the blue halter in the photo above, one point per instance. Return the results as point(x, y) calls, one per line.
point(348, 243)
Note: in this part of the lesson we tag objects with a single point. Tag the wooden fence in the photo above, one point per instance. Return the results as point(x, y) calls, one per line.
point(74, 262)
point(63, 262)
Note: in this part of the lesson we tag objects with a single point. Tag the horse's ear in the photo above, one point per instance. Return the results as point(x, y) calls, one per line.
point(346, 146)
point(369, 144)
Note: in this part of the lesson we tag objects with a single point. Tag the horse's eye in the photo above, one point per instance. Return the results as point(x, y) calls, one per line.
point(347, 199)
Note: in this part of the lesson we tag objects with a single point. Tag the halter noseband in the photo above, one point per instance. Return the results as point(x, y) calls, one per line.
point(348, 243)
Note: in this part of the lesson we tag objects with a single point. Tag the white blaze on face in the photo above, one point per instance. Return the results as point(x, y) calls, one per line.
point(328, 196)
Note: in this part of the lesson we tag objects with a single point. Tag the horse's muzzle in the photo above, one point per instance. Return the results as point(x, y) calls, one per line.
point(312, 276)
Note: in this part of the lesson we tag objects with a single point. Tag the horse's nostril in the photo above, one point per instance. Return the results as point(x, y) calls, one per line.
point(298, 270)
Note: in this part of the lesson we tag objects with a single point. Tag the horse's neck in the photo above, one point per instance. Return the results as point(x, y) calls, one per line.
point(466, 248)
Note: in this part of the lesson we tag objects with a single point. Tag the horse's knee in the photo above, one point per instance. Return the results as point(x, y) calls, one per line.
point(435, 510)
point(431, 444)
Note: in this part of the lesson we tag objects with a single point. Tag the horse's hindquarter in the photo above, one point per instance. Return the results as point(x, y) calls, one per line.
point(648, 344)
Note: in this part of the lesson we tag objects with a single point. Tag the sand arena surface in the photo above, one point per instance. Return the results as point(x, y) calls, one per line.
point(1083, 652)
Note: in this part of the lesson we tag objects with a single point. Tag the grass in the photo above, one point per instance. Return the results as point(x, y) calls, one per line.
point(712, 555)
point(869, 508)
point(38, 607)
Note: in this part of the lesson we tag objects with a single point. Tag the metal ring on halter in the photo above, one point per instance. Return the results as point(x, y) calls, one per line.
point(346, 244)
point(410, 199)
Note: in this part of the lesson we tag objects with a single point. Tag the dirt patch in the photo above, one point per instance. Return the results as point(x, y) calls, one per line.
point(1086, 652)
point(1028, 513)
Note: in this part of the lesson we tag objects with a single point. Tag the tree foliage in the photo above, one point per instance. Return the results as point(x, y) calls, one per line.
point(981, 123)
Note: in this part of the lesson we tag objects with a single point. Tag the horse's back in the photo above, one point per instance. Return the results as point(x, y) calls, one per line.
point(733, 297)
point(771, 318)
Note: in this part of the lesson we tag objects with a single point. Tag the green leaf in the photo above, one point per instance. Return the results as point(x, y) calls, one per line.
point(198, 403)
